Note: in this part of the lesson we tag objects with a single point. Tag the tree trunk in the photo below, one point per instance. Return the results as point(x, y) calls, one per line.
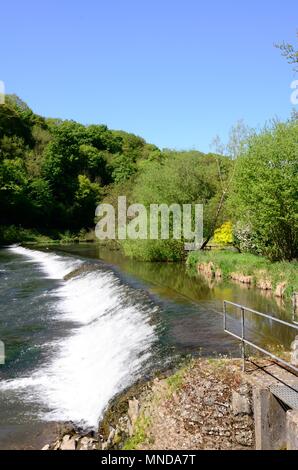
point(221, 202)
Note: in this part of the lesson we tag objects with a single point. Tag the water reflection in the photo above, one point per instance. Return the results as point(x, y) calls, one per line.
point(194, 304)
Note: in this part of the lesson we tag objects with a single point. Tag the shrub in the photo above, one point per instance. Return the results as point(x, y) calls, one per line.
point(224, 234)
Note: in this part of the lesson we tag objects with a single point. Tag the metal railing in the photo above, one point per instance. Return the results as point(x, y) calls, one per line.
point(245, 341)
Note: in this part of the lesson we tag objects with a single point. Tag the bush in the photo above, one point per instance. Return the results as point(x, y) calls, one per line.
point(154, 250)
point(244, 238)
point(224, 234)
point(11, 234)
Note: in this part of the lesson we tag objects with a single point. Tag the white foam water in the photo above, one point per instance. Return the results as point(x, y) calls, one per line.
point(105, 351)
point(53, 266)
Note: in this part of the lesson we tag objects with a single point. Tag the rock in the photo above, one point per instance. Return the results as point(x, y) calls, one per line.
point(108, 444)
point(133, 414)
point(117, 438)
point(207, 269)
point(87, 443)
point(240, 404)
point(292, 430)
point(84, 268)
point(242, 278)
point(244, 390)
point(111, 436)
point(83, 444)
point(209, 401)
point(56, 445)
point(264, 284)
point(244, 438)
point(218, 274)
point(46, 447)
point(199, 415)
point(280, 289)
point(66, 428)
point(294, 353)
point(68, 443)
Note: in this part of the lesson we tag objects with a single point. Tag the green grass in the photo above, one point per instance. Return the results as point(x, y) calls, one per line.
point(140, 434)
point(249, 265)
point(175, 381)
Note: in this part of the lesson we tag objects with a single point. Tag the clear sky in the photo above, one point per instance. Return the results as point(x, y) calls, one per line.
point(176, 72)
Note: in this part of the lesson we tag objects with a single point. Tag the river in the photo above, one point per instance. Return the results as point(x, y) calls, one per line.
point(72, 344)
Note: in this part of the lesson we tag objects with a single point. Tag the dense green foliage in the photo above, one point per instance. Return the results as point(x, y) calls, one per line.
point(178, 178)
point(53, 174)
point(264, 195)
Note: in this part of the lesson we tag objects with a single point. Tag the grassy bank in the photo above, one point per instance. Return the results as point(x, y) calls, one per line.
point(280, 277)
point(10, 234)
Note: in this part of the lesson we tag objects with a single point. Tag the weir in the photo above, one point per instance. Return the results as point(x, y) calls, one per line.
point(103, 340)
point(274, 383)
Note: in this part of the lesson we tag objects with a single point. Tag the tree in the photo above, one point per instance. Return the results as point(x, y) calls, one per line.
point(15, 122)
point(178, 178)
point(94, 163)
point(133, 150)
point(234, 148)
point(290, 53)
point(264, 193)
point(53, 172)
point(87, 197)
point(13, 183)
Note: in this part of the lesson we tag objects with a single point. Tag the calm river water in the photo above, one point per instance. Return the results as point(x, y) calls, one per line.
point(72, 344)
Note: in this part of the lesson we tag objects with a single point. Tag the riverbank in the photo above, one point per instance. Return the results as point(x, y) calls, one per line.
point(206, 404)
point(280, 278)
point(181, 309)
point(10, 234)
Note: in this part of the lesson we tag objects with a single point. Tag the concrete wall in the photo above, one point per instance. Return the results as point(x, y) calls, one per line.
point(292, 430)
point(275, 428)
point(270, 421)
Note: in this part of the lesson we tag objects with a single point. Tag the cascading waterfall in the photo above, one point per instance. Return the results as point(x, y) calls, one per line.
point(107, 346)
point(52, 265)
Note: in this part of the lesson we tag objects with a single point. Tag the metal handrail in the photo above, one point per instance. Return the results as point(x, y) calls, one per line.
point(244, 341)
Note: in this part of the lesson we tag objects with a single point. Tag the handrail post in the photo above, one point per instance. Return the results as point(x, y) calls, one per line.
point(243, 338)
point(295, 307)
point(245, 341)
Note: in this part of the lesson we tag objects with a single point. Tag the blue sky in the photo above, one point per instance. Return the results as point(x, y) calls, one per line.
point(176, 72)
